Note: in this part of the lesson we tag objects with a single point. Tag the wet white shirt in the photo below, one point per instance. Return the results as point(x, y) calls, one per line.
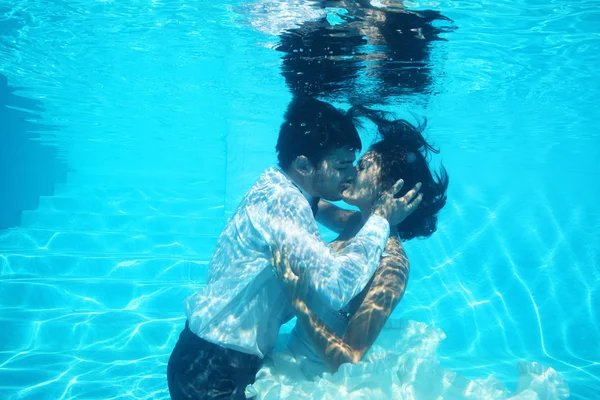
point(242, 306)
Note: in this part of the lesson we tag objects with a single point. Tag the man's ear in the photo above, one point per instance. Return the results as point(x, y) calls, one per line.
point(303, 166)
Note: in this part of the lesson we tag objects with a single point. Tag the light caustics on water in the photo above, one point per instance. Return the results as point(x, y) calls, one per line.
point(141, 99)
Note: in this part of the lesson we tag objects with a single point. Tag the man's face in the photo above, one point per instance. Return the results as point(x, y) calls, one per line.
point(334, 174)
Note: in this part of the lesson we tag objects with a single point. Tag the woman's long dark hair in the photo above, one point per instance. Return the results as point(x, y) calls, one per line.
point(404, 154)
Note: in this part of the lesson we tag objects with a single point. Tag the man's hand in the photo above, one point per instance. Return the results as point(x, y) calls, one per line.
point(396, 210)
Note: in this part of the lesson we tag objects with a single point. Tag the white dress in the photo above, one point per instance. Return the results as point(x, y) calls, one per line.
point(402, 364)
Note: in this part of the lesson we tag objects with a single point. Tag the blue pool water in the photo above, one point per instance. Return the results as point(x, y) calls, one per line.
point(131, 129)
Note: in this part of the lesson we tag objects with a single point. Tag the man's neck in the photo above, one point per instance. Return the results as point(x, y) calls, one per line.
point(300, 183)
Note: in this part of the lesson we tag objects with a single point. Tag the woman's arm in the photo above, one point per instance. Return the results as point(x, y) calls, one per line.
point(384, 292)
point(333, 217)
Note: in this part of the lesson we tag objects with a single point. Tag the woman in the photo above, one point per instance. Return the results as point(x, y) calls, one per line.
point(345, 336)
point(325, 339)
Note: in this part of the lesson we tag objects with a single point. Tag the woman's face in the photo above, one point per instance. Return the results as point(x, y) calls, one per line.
point(366, 188)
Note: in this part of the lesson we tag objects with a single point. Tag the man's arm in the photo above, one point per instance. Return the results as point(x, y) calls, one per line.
point(383, 294)
point(334, 277)
point(333, 217)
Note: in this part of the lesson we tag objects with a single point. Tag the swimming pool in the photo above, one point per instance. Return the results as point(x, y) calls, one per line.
point(165, 112)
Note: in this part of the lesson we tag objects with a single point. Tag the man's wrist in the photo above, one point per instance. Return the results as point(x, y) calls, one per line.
point(381, 213)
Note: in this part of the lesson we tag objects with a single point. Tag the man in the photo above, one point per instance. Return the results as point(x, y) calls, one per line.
point(234, 321)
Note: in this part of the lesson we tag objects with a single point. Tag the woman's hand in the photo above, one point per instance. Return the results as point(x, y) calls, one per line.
point(295, 286)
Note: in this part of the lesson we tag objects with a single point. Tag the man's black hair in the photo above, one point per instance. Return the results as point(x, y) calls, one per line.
point(314, 129)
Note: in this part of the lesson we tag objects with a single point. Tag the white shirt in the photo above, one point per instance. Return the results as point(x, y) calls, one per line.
point(242, 305)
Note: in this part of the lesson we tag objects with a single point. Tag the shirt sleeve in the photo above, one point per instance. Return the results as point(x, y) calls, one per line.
point(335, 277)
